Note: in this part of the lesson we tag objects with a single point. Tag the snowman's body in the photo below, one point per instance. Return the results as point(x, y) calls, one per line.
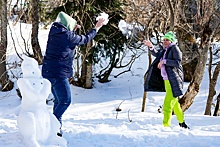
point(37, 125)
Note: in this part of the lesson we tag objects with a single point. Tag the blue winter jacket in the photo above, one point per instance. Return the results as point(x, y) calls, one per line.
point(58, 59)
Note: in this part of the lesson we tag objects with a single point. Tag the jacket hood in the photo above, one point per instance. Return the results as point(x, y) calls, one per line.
point(66, 20)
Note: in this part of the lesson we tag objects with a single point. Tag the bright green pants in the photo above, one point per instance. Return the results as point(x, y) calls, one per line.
point(171, 104)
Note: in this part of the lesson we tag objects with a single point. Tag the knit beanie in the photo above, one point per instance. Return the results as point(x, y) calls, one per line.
point(66, 20)
point(170, 36)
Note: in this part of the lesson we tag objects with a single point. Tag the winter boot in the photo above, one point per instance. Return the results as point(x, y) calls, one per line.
point(183, 125)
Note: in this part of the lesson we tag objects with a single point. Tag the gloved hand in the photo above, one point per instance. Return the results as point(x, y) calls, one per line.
point(99, 24)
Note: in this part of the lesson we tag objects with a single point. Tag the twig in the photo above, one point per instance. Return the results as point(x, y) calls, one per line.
point(118, 109)
point(130, 120)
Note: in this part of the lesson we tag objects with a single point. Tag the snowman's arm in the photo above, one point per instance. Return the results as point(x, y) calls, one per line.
point(23, 84)
point(46, 90)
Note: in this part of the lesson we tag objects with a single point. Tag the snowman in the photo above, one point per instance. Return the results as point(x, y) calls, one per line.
point(36, 124)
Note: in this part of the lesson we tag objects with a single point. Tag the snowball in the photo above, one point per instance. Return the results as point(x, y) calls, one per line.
point(104, 16)
point(122, 25)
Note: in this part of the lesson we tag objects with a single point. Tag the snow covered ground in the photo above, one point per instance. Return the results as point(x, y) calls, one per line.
point(92, 119)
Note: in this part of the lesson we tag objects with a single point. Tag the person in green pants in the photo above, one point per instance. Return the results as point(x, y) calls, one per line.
point(166, 74)
point(171, 103)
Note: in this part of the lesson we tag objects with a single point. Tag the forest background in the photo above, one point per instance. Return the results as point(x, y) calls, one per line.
point(195, 22)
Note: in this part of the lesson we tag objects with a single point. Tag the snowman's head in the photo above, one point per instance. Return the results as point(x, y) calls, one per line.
point(29, 67)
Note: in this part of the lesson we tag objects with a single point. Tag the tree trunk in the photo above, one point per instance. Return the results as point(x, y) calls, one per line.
point(217, 106)
point(194, 86)
point(84, 67)
point(212, 91)
point(34, 36)
point(186, 39)
point(189, 70)
point(144, 102)
point(103, 78)
point(172, 15)
point(189, 54)
point(145, 75)
point(88, 82)
point(6, 84)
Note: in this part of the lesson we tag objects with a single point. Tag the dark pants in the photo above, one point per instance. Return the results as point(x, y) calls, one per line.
point(62, 94)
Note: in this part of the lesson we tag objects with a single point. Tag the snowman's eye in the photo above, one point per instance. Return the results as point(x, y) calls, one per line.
point(32, 72)
point(33, 83)
point(41, 83)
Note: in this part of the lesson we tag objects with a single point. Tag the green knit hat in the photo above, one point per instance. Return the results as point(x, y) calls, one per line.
point(66, 20)
point(170, 36)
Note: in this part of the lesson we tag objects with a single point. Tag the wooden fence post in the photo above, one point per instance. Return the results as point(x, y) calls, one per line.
point(144, 101)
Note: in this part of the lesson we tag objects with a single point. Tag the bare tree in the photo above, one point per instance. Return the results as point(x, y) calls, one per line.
point(149, 15)
point(27, 12)
point(217, 106)
point(190, 19)
point(6, 84)
point(193, 19)
point(212, 92)
point(213, 76)
point(89, 73)
point(155, 17)
point(204, 25)
point(34, 35)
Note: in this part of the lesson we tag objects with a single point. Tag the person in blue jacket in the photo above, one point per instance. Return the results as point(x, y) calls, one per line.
point(166, 74)
point(58, 59)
